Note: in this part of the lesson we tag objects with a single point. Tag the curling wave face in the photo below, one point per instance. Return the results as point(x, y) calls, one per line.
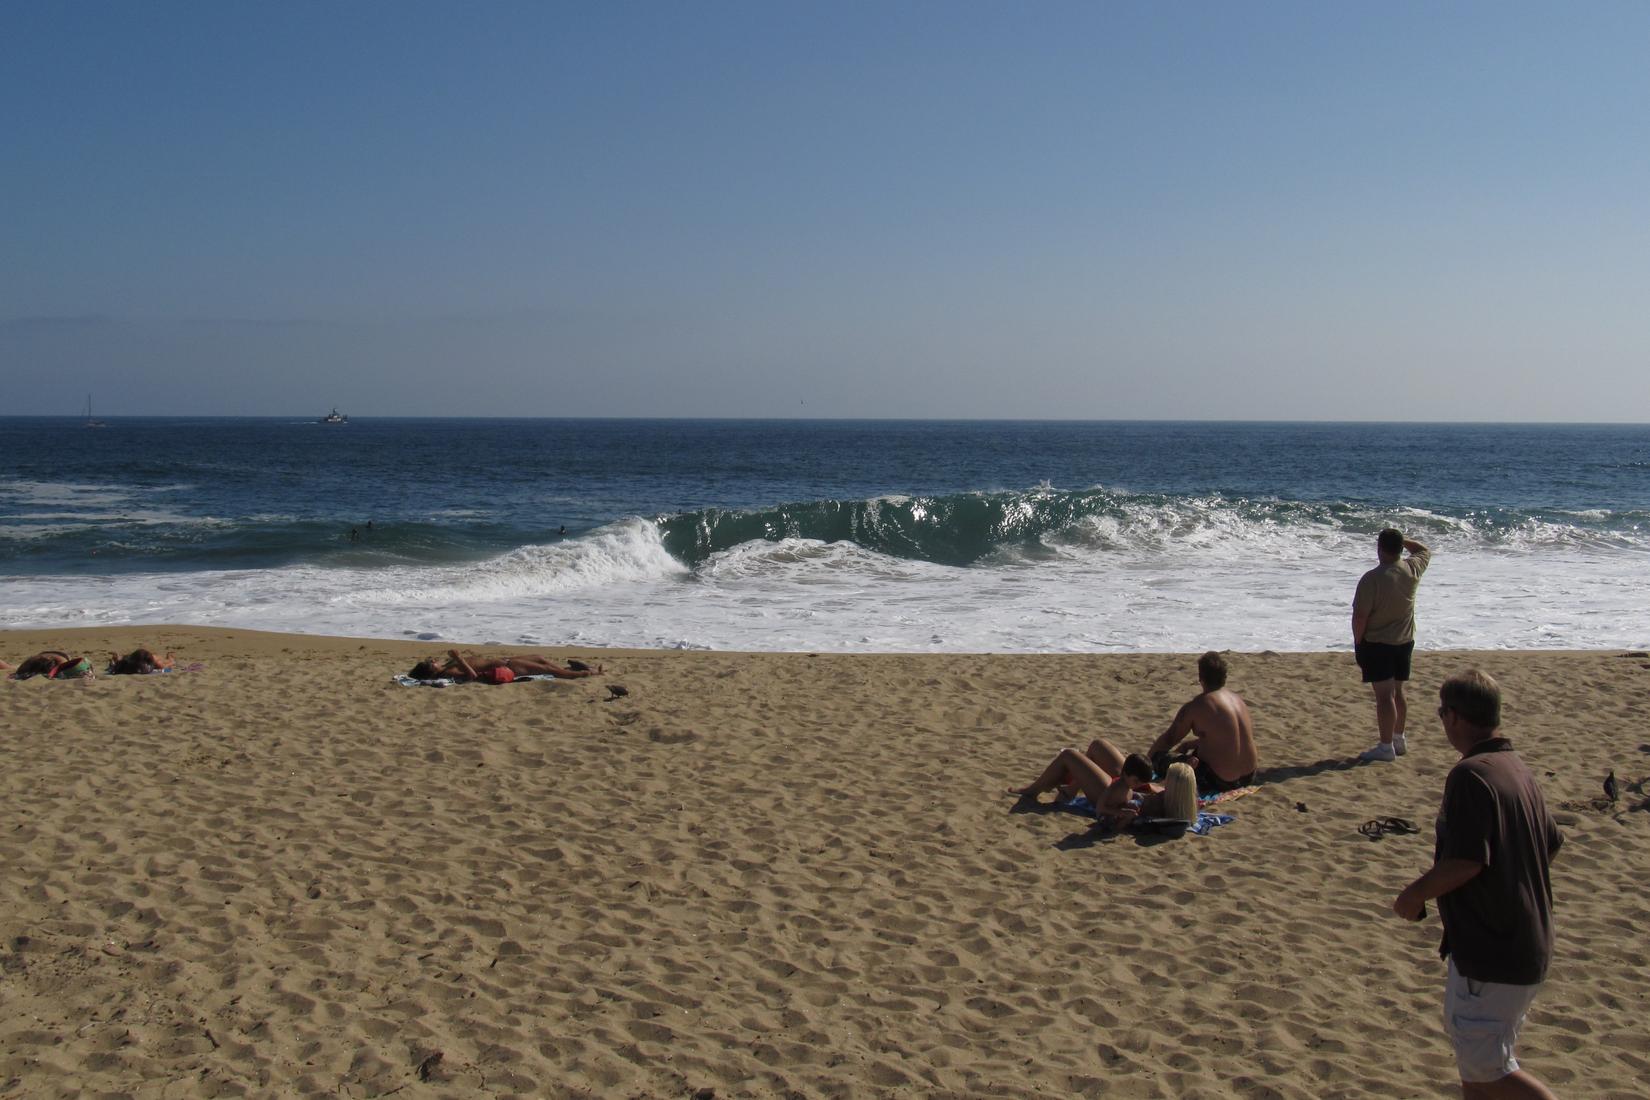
point(968, 528)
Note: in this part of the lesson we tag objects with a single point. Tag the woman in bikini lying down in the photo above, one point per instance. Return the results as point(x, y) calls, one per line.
point(53, 664)
point(456, 666)
point(1110, 779)
point(1119, 787)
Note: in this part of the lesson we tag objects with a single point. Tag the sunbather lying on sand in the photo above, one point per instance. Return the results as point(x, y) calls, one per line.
point(1119, 800)
point(1109, 778)
point(53, 664)
point(459, 667)
point(139, 662)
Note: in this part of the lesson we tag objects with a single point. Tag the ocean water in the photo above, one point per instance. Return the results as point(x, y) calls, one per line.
point(824, 535)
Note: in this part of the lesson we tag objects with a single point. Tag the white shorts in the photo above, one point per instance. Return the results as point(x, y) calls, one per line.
point(1482, 1021)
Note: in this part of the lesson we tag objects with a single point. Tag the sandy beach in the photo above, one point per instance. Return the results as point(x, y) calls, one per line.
point(760, 875)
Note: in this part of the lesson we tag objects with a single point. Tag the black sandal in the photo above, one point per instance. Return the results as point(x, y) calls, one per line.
point(1376, 828)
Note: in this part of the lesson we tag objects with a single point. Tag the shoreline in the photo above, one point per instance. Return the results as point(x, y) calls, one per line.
point(129, 635)
point(758, 873)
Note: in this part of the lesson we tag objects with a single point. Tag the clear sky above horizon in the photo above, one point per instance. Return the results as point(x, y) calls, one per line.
point(918, 209)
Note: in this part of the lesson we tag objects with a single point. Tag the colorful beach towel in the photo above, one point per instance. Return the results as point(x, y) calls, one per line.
point(1224, 796)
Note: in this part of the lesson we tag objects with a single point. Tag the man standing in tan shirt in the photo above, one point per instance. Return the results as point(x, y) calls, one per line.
point(1383, 635)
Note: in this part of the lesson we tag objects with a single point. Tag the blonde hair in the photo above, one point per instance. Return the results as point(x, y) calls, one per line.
point(1180, 793)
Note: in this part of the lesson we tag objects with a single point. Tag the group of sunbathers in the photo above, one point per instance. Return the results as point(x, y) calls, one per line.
point(1221, 757)
point(55, 664)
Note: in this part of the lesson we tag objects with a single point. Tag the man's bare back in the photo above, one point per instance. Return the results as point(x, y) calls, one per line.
point(1225, 735)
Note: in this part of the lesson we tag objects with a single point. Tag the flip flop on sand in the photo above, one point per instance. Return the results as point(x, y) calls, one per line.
point(1376, 828)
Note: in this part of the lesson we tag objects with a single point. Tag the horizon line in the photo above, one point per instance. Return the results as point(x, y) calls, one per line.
point(311, 417)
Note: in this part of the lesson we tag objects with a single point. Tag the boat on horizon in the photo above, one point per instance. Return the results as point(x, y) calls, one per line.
point(334, 417)
point(92, 421)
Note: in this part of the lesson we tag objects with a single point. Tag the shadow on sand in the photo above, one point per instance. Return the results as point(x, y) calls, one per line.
point(1105, 834)
point(1097, 833)
point(1302, 771)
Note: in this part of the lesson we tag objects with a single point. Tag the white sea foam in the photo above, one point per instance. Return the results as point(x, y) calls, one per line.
point(82, 520)
point(1157, 585)
point(36, 530)
point(62, 493)
point(808, 561)
point(623, 553)
point(78, 493)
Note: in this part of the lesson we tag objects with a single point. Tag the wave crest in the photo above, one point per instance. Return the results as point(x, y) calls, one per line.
point(973, 528)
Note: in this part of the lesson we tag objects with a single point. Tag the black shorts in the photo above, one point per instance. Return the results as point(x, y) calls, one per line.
point(1209, 783)
point(1380, 661)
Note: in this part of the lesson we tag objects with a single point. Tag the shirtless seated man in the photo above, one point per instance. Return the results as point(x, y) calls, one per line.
point(459, 667)
point(1222, 752)
point(1110, 779)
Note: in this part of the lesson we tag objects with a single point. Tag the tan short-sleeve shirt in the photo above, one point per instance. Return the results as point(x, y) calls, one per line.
point(1386, 594)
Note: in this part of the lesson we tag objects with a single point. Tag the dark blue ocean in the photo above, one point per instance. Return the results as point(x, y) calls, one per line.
point(839, 535)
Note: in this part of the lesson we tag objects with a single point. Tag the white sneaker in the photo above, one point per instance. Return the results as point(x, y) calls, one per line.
point(1382, 753)
point(1400, 744)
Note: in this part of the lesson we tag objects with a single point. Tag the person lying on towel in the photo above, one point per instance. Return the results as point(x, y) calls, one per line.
point(53, 664)
point(495, 670)
point(1110, 779)
point(139, 662)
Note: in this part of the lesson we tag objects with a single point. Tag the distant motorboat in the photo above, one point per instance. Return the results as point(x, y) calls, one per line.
point(334, 417)
point(92, 421)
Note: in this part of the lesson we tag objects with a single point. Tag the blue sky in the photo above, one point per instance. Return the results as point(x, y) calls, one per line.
point(1094, 210)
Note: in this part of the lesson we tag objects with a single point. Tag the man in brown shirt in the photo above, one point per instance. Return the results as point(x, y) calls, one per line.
point(1495, 841)
point(1383, 635)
